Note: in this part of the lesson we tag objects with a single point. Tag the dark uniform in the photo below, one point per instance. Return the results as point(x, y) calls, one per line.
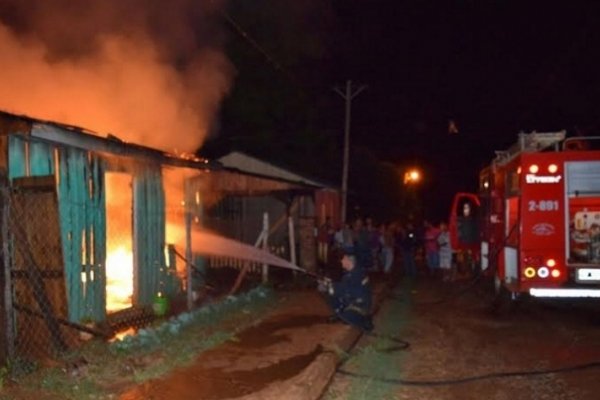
point(351, 298)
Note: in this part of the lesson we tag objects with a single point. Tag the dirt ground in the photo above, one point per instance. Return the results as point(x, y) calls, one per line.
point(461, 338)
point(264, 361)
point(459, 349)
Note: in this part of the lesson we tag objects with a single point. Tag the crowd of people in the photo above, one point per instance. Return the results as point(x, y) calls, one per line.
point(409, 249)
point(364, 247)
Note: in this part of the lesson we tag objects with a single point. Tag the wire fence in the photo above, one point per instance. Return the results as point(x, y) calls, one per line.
point(36, 323)
point(39, 291)
point(49, 308)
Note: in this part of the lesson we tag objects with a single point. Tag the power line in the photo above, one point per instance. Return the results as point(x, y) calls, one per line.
point(254, 43)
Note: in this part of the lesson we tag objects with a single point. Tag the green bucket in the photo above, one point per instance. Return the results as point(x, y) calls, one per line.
point(160, 306)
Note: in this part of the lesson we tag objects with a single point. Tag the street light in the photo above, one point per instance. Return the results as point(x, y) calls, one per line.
point(412, 176)
point(412, 202)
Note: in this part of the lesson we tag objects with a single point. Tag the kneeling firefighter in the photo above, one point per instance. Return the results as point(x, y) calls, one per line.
point(351, 296)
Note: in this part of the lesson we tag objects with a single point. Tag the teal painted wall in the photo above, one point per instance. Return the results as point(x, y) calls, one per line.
point(149, 235)
point(82, 210)
point(82, 217)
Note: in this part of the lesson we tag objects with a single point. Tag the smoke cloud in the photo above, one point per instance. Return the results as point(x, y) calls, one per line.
point(148, 72)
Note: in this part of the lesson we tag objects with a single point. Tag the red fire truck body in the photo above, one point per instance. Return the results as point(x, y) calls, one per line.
point(540, 217)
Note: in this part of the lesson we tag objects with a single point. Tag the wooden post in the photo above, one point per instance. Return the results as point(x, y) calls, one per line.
point(188, 246)
point(292, 237)
point(348, 94)
point(265, 267)
point(7, 318)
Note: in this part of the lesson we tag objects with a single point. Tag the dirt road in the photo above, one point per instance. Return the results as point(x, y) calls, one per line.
point(458, 349)
point(460, 338)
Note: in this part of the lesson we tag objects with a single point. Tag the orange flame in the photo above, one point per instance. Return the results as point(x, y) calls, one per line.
point(119, 254)
point(119, 282)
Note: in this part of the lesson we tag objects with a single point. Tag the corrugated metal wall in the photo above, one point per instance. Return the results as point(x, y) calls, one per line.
point(82, 217)
point(149, 235)
point(82, 205)
point(83, 226)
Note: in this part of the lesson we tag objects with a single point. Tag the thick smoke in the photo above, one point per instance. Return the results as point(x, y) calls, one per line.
point(147, 71)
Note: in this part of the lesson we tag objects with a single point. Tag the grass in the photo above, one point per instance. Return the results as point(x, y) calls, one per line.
point(107, 368)
point(372, 361)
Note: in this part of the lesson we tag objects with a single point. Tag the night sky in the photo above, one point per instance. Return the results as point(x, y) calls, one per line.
point(260, 76)
point(494, 68)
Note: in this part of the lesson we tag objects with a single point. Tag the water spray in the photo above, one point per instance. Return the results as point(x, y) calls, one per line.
point(210, 244)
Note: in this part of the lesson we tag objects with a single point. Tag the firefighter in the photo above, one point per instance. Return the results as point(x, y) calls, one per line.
point(350, 298)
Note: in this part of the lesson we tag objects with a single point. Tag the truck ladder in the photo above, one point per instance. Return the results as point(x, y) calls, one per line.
point(529, 142)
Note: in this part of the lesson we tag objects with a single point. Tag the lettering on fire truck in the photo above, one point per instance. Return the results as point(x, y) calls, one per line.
point(543, 229)
point(543, 205)
point(533, 178)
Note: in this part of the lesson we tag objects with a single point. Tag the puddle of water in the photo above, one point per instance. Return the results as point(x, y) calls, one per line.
point(266, 333)
point(216, 384)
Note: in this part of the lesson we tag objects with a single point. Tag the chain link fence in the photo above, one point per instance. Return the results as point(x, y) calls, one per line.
point(40, 293)
point(36, 324)
point(36, 320)
point(47, 308)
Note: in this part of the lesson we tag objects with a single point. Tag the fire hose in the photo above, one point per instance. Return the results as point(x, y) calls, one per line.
point(468, 379)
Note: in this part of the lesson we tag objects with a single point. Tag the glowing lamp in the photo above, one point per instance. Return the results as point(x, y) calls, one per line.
point(412, 176)
point(552, 168)
point(529, 272)
point(555, 273)
point(533, 168)
point(550, 262)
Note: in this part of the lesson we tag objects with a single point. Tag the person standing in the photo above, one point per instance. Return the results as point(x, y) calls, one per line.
point(324, 239)
point(374, 244)
point(408, 247)
point(362, 249)
point(431, 247)
point(387, 247)
point(445, 252)
point(343, 238)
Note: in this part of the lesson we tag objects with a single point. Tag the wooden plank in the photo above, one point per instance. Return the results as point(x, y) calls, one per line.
point(45, 274)
point(4, 154)
point(66, 224)
point(37, 248)
point(77, 199)
point(41, 184)
point(80, 327)
point(41, 159)
point(7, 333)
point(17, 160)
point(99, 288)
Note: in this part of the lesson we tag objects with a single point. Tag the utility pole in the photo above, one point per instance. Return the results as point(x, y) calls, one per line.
point(347, 95)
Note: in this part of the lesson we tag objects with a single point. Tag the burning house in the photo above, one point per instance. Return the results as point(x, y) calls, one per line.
point(93, 227)
point(283, 194)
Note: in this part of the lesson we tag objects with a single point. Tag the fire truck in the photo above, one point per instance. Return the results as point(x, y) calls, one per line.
point(537, 217)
